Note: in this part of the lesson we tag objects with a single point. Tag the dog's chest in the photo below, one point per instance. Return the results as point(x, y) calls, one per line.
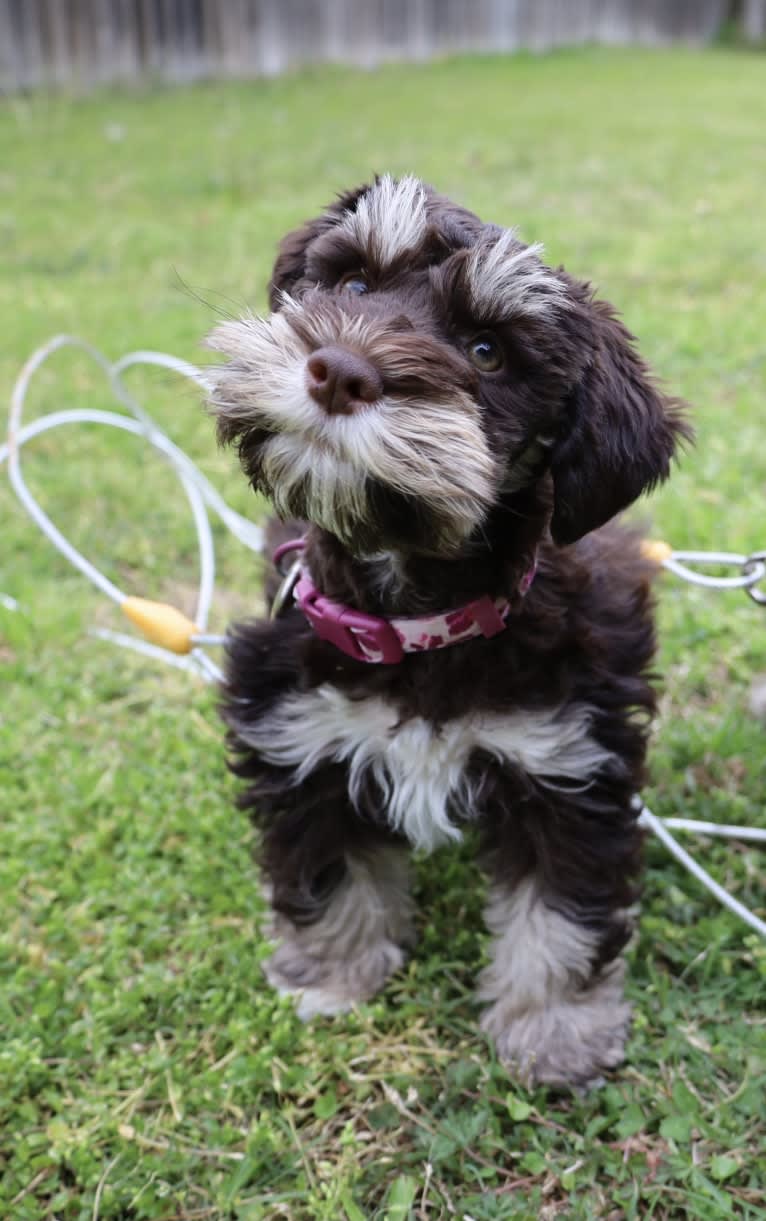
point(422, 771)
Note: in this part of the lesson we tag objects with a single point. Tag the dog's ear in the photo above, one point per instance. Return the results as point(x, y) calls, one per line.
point(618, 433)
point(290, 265)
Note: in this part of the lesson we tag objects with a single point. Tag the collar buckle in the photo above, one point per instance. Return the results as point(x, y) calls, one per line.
point(361, 636)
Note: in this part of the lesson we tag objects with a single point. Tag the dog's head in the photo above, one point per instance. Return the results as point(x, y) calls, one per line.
point(420, 369)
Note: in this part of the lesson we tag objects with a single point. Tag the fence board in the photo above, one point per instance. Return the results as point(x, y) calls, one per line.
point(80, 43)
point(26, 42)
point(754, 20)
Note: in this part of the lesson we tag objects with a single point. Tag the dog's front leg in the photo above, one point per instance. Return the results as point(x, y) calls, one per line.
point(552, 1016)
point(340, 932)
point(557, 1012)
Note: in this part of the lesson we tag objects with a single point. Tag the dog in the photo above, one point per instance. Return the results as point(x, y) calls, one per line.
point(447, 424)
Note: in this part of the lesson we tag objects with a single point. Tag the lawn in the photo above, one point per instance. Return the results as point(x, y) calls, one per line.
point(146, 1071)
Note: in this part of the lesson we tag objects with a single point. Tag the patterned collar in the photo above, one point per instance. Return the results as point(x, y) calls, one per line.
point(379, 641)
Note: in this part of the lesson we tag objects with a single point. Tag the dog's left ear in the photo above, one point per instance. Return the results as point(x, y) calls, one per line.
point(290, 265)
point(619, 432)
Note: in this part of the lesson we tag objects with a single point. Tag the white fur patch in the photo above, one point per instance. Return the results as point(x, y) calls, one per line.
point(505, 279)
point(421, 771)
point(538, 954)
point(389, 219)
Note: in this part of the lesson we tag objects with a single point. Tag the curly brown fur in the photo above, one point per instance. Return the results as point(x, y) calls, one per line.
point(443, 483)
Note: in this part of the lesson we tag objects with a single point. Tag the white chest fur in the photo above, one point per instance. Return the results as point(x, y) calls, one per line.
point(422, 771)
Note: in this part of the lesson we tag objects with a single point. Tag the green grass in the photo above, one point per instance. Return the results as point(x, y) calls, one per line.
point(146, 1072)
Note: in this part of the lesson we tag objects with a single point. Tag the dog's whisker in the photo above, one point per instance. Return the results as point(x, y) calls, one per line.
point(197, 295)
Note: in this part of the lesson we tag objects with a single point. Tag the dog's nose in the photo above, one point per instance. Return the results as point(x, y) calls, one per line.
point(341, 381)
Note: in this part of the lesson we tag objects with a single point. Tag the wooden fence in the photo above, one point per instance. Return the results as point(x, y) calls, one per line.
point(82, 43)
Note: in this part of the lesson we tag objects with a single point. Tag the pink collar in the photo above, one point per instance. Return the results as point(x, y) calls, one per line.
point(385, 641)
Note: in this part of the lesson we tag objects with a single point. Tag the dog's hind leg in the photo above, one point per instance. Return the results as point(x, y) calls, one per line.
point(358, 923)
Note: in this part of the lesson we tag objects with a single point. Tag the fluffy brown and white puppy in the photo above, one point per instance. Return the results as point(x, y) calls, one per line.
point(446, 411)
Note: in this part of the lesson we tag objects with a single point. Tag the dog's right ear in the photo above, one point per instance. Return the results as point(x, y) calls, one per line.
point(290, 265)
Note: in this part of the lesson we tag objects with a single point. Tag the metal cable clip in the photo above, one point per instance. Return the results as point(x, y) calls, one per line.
point(289, 576)
point(755, 567)
point(285, 591)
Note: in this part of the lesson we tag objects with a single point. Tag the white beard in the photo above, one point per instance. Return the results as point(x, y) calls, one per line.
point(319, 466)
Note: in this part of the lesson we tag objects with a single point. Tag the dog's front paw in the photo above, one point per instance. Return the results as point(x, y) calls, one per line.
point(570, 1042)
point(327, 986)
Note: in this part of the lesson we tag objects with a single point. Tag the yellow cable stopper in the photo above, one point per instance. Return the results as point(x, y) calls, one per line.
point(161, 623)
point(654, 549)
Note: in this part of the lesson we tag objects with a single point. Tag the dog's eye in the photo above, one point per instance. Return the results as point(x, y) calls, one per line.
point(354, 283)
point(485, 353)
